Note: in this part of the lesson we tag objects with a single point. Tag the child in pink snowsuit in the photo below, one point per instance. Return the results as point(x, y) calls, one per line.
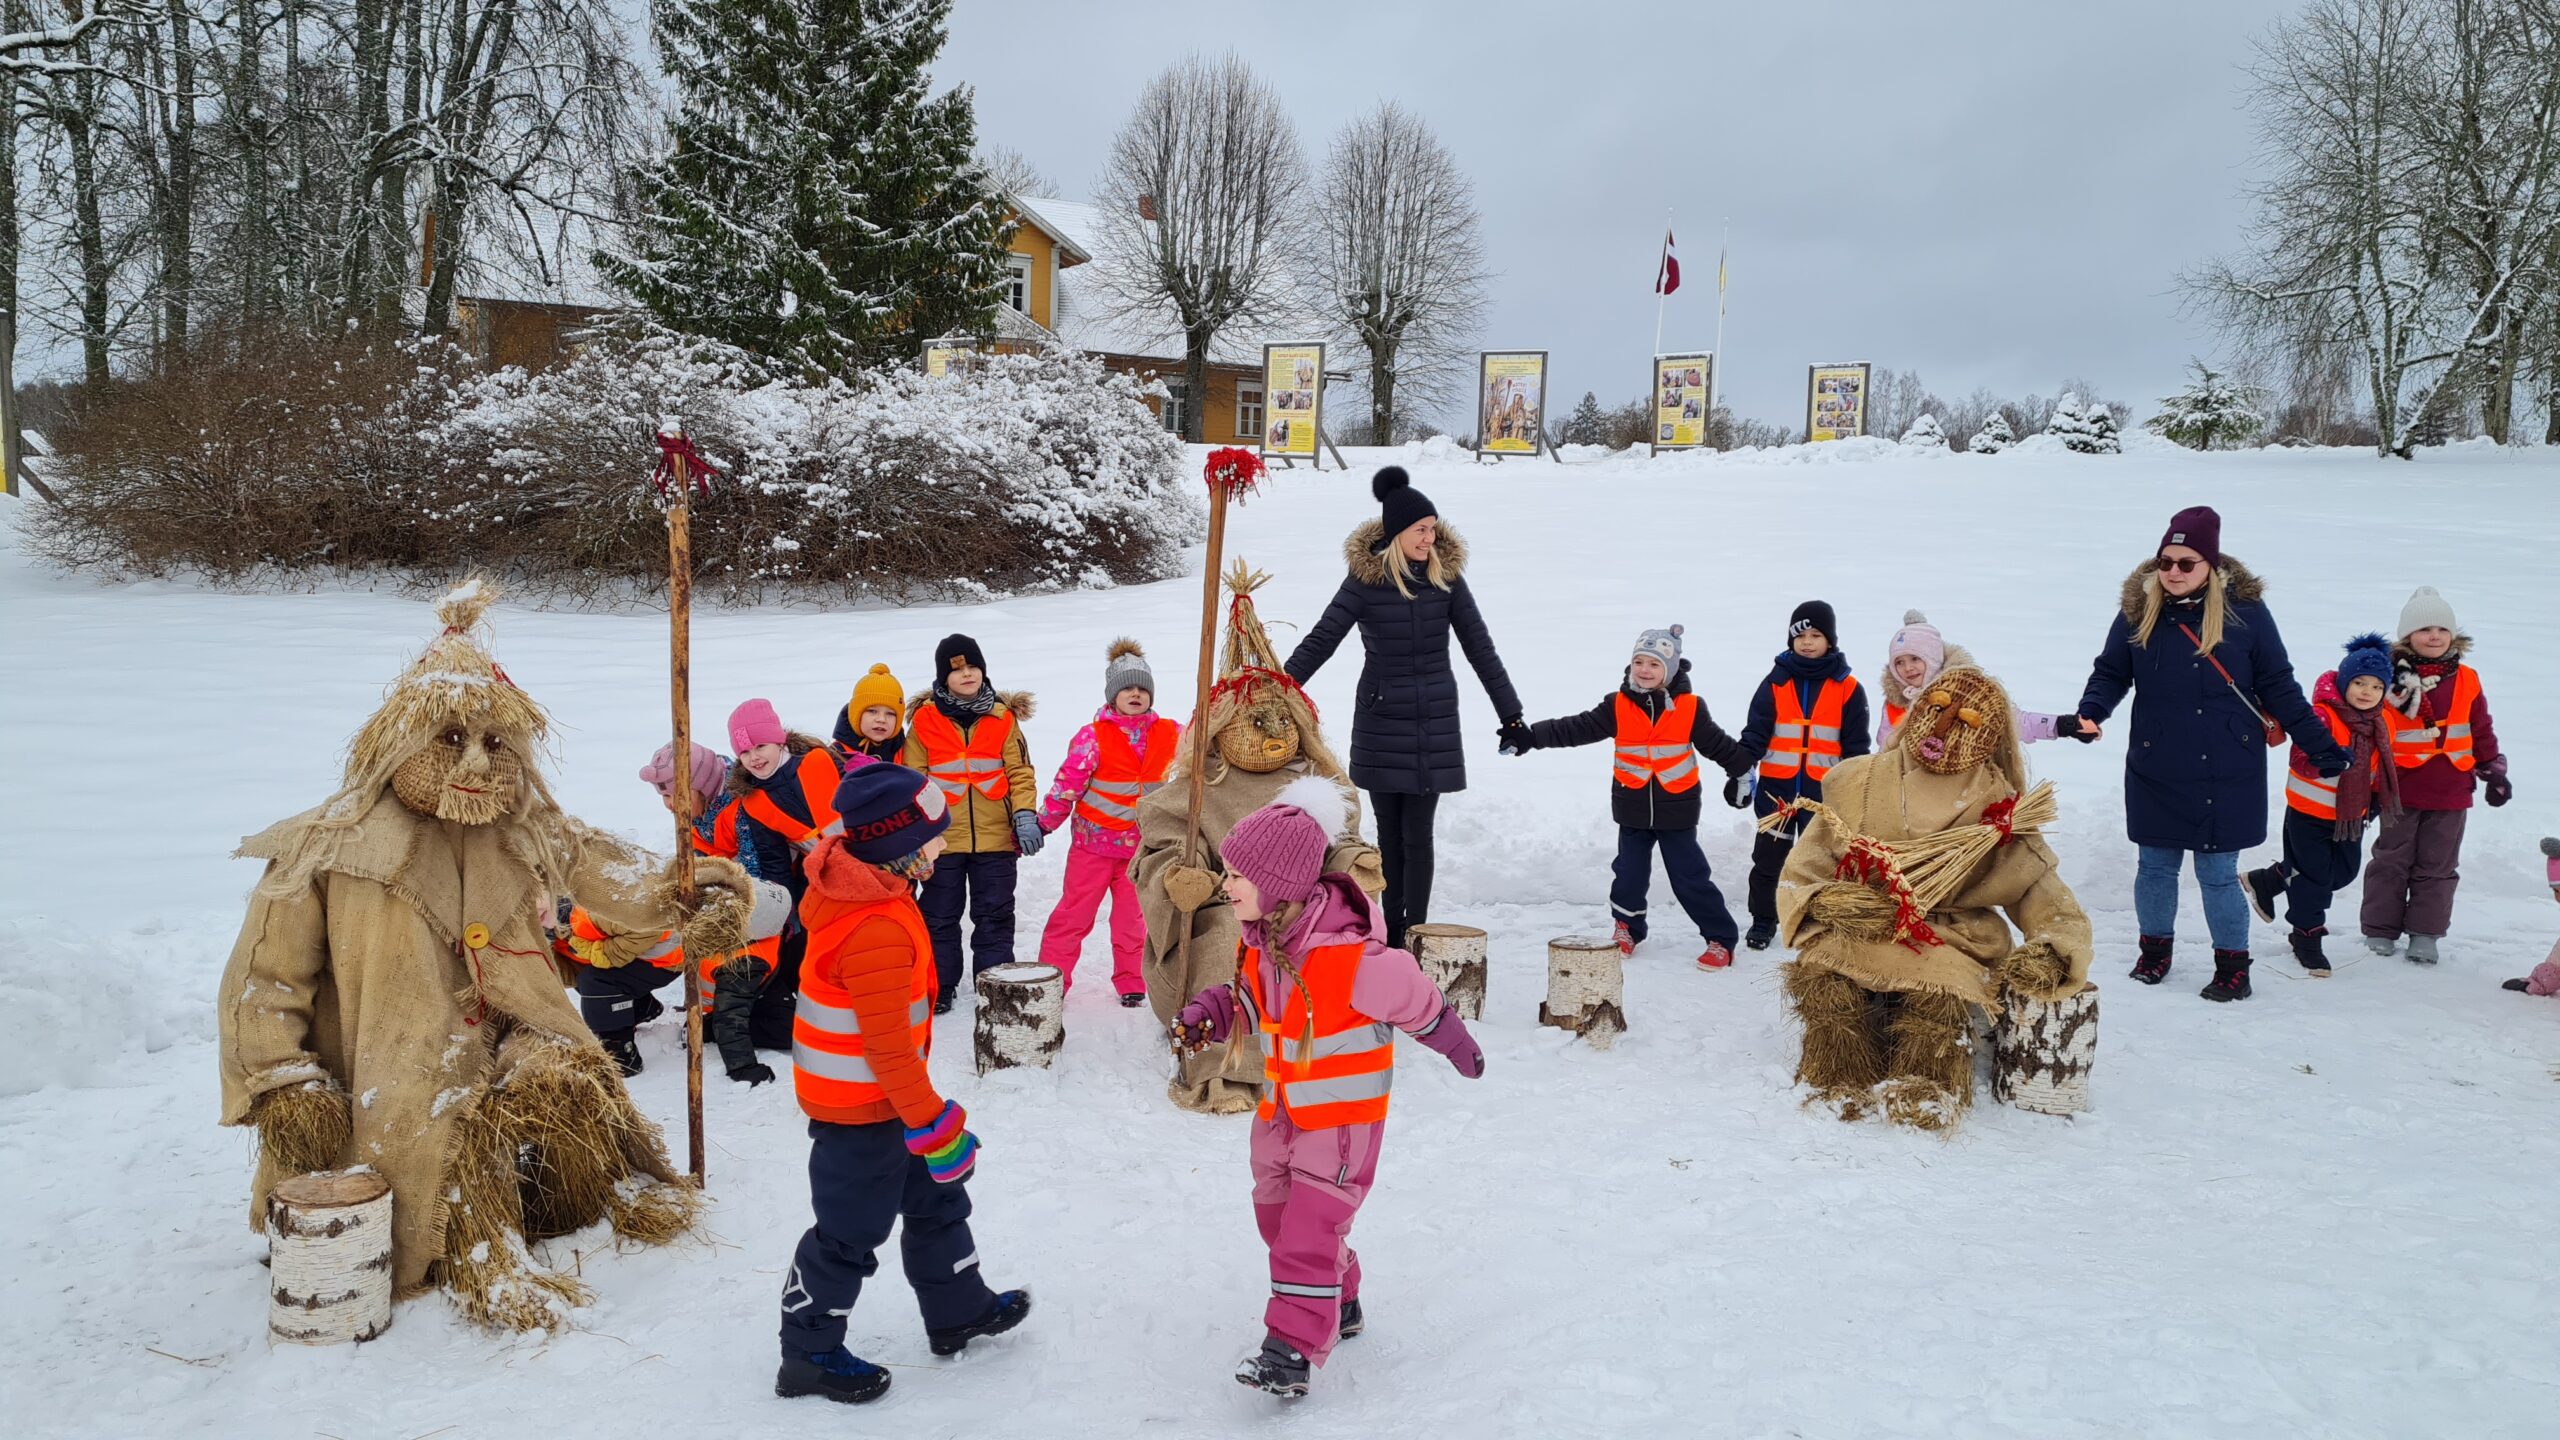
point(1319, 982)
point(1126, 752)
point(2545, 979)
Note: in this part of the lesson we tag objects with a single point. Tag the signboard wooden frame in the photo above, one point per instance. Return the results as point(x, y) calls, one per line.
point(1814, 377)
point(1521, 363)
point(1668, 432)
point(1293, 403)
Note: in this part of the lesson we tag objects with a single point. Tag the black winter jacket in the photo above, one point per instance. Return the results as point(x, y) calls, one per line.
point(1652, 807)
point(1405, 736)
point(1857, 737)
point(766, 855)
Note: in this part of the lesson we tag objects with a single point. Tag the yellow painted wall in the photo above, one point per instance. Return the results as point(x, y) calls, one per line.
point(1033, 241)
point(1218, 423)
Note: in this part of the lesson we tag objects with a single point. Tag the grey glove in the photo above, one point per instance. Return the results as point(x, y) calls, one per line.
point(1026, 832)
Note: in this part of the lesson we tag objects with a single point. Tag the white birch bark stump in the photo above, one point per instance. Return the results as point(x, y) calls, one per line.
point(1021, 1016)
point(1454, 957)
point(2042, 1051)
point(329, 1257)
point(1585, 989)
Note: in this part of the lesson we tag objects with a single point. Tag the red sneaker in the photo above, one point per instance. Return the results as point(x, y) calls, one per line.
point(1717, 957)
point(1626, 939)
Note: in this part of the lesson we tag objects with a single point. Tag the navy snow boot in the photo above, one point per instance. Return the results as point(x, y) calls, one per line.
point(840, 1375)
point(1011, 1309)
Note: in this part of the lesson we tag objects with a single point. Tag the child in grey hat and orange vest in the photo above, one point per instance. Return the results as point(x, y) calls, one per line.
point(2445, 748)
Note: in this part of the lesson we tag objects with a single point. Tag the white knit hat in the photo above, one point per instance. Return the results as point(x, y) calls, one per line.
point(2425, 608)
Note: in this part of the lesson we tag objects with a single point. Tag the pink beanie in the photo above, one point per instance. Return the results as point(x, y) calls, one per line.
point(754, 724)
point(1918, 637)
point(710, 773)
point(1281, 847)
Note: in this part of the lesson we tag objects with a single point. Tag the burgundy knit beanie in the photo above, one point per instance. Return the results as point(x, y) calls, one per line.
point(1281, 847)
point(2199, 529)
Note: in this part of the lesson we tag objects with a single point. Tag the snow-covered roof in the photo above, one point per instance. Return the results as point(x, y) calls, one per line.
point(1089, 316)
point(1071, 251)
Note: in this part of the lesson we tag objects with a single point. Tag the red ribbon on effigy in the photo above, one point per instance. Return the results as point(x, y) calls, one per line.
point(674, 445)
point(2002, 815)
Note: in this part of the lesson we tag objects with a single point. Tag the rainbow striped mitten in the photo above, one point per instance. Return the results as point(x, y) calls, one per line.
point(949, 1150)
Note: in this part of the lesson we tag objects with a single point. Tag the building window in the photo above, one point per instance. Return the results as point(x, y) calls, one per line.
point(1177, 406)
point(1017, 284)
point(1248, 409)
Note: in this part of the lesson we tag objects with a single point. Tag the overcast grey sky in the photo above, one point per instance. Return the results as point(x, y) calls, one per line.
point(1993, 193)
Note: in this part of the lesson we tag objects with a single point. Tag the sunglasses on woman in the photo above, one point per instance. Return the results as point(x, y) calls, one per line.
point(2182, 567)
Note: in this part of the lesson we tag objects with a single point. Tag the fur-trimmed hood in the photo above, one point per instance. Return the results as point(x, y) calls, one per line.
point(1020, 702)
point(1366, 555)
point(742, 784)
point(2239, 582)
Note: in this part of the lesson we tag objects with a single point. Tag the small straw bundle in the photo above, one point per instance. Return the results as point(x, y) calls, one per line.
point(1913, 877)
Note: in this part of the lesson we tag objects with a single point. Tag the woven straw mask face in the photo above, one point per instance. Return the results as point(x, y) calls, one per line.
point(1956, 724)
point(1260, 740)
point(469, 776)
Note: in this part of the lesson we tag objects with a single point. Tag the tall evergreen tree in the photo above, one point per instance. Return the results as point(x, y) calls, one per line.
point(817, 207)
point(1587, 425)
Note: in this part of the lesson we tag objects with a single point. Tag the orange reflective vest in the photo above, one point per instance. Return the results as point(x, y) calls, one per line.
point(2415, 742)
point(2304, 790)
point(1121, 775)
point(1652, 750)
point(959, 763)
point(1322, 1060)
point(818, 775)
point(723, 839)
point(1801, 743)
point(1893, 716)
point(829, 1073)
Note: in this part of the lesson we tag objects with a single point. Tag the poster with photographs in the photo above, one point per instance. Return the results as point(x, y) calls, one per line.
point(1681, 388)
point(944, 357)
point(1293, 384)
point(1511, 401)
point(1835, 405)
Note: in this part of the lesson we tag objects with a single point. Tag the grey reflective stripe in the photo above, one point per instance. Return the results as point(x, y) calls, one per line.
point(834, 1019)
point(1682, 771)
point(1826, 732)
point(1129, 789)
point(1338, 1089)
point(1318, 1292)
point(2455, 732)
point(1115, 808)
point(2324, 791)
point(663, 949)
point(817, 837)
point(827, 1065)
point(1787, 730)
point(1351, 1041)
point(920, 1013)
point(964, 1262)
point(1665, 752)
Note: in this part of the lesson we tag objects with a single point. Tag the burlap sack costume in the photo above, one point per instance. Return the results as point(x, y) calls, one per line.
point(1261, 734)
point(1883, 987)
point(393, 1002)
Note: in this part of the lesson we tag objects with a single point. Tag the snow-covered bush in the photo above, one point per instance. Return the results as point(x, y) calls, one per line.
point(1993, 437)
point(2086, 432)
point(2210, 412)
point(1023, 472)
point(1925, 433)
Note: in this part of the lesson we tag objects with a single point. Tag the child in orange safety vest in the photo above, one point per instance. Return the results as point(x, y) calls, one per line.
point(1662, 730)
point(1808, 716)
point(1318, 981)
point(2325, 814)
point(1111, 764)
point(2445, 746)
point(967, 735)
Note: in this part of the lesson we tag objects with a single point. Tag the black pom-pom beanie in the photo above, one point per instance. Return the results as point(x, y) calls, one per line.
point(1400, 506)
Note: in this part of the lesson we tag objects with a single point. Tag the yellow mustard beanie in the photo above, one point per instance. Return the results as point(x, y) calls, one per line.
point(877, 688)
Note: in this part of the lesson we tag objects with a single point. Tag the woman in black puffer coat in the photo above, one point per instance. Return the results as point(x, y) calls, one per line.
point(1407, 591)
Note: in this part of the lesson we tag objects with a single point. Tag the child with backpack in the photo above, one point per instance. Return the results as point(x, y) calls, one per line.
point(1661, 729)
point(1125, 752)
point(967, 735)
point(2445, 746)
point(2325, 815)
point(1317, 979)
point(1808, 716)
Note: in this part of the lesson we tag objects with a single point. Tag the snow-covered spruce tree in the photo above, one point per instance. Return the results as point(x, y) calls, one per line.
point(2209, 412)
point(1925, 433)
point(2104, 437)
point(2070, 425)
point(1994, 436)
point(817, 208)
point(1587, 425)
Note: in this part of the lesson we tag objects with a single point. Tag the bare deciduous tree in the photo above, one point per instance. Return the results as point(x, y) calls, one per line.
point(1013, 172)
point(1200, 201)
point(1401, 269)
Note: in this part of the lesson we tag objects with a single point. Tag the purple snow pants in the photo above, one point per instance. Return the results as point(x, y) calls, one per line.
point(2409, 882)
point(1307, 1187)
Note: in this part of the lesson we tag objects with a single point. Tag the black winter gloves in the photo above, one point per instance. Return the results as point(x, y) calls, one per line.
point(1516, 739)
point(2076, 728)
point(758, 1073)
point(1737, 791)
point(2501, 790)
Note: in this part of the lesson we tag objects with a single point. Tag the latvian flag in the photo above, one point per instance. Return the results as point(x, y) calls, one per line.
point(1667, 279)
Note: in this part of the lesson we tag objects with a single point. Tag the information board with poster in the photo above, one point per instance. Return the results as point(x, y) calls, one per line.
point(1681, 386)
point(1511, 402)
point(1293, 399)
point(1835, 401)
point(941, 357)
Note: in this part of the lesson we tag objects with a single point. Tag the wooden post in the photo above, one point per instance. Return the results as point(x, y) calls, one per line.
point(1585, 989)
point(680, 699)
point(1197, 738)
point(1454, 957)
point(1327, 440)
point(1021, 1016)
point(2042, 1051)
point(329, 1255)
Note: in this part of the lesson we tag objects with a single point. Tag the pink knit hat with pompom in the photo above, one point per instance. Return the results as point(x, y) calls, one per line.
point(1281, 847)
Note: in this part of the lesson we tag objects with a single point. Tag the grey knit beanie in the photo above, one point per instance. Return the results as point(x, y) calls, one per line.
point(1662, 645)
point(1126, 666)
point(2426, 608)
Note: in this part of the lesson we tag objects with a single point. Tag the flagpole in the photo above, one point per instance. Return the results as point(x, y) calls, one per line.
point(1661, 272)
point(1715, 367)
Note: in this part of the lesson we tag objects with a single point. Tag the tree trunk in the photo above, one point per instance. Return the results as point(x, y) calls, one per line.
point(1454, 957)
point(2042, 1051)
point(177, 219)
point(1021, 1016)
point(329, 1254)
point(12, 18)
point(1382, 390)
point(1585, 989)
point(88, 224)
point(1195, 382)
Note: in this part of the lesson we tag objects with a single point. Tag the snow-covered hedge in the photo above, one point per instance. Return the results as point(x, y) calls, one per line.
point(1027, 472)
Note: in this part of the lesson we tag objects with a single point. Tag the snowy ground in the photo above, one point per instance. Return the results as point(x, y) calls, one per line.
point(2323, 1212)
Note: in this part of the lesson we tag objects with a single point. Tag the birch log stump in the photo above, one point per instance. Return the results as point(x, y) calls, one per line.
point(1585, 989)
point(1021, 1016)
point(1454, 957)
point(329, 1254)
point(2042, 1051)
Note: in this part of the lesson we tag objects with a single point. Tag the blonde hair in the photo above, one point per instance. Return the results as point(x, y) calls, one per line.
point(1434, 569)
point(2217, 604)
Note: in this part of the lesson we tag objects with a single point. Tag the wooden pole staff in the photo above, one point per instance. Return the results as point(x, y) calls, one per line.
point(1228, 471)
point(676, 479)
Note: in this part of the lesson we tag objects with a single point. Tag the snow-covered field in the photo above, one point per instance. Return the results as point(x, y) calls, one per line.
point(2323, 1212)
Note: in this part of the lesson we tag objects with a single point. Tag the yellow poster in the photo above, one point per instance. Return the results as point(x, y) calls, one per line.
point(941, 360)
point(1835, 402)
point(1511, 401)
point(1680, 400)
point(1293, 404)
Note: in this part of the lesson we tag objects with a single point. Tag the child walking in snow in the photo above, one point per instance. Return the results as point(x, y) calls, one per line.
point(873, 722)
point(884, 1146)
point(1918, 655)
point(1318, 981)
point(2325, 816)
point(967, 735)
point(1808, 716)
point(1661, 728)
point(1123, 754)
point(2545, 979)
point(2443, 743)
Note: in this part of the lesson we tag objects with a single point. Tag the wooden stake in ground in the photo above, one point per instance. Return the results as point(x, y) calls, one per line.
point(329, 1258)
point(1232, 474)
point(680, 470)
point(1454, 957)
point(1586, 989)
